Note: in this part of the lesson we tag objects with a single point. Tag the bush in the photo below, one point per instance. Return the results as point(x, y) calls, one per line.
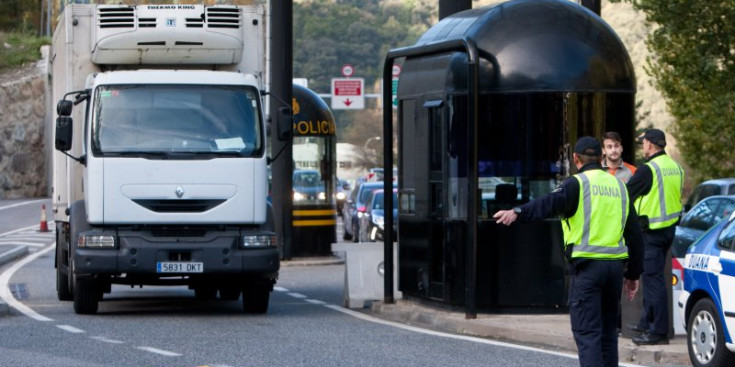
point(17, 49)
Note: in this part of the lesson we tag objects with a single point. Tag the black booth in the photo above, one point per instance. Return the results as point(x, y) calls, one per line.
point(490, 104)
point(314, 182)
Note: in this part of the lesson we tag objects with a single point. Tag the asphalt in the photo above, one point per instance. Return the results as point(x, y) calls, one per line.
point(548, 331)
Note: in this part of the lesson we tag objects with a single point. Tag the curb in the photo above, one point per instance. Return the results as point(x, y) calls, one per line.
point(13, 254)
point(545, 331)
point(313, 261)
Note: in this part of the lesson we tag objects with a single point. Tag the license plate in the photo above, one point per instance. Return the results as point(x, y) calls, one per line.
point(179, 267)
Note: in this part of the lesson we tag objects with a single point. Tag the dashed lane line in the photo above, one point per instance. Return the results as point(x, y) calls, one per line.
point(107, 340)
point(159, 351)
point(70, 329)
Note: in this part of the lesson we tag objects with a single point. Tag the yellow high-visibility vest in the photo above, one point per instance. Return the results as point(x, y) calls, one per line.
point(662, 204)
point(596, 228)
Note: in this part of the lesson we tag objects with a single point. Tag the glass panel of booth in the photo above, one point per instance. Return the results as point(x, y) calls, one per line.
point(310, 155)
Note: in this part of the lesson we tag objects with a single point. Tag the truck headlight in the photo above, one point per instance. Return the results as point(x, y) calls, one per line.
point(341, 196)
point(322, 196)
point(259, 241)
point(96, 241)
point(297, 196)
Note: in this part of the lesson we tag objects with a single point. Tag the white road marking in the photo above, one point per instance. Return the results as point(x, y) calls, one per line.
point(472, 339)
point(8, 297)
point(106, 340)
point(70, 329)
point(316, 301)
point(23, 243)
point(19, 230)
point(21, 204)
point(159, 351)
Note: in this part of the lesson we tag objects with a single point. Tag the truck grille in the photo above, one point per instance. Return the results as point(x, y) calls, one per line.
point(116, 17)
point(179, 206)
point(177, 231)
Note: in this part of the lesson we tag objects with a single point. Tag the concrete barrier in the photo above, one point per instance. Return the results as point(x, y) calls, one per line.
point(364, 281)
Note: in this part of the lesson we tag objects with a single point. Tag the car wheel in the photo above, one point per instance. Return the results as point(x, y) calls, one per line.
point(374, 234)
point(355, 232)
point(705, 337)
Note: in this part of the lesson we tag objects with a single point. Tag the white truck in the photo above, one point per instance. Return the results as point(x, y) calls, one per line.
point(160, 169)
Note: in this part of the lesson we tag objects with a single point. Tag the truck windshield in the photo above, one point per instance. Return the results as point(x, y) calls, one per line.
point(166, 120)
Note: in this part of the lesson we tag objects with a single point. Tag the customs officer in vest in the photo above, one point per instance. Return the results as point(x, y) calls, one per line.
point(655, 189)
point(604, 248)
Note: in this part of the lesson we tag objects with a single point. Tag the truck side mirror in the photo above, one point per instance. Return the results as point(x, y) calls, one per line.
point(284, 124)
point(64, 128)
point(64, 107)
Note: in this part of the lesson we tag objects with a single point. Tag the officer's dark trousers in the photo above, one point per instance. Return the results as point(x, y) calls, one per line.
point(594, 301)
point(655, 315)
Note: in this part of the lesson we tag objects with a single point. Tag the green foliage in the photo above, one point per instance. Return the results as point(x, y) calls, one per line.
point(17, 49)
point(19, 15)
point(330, 33)
point(694, 68)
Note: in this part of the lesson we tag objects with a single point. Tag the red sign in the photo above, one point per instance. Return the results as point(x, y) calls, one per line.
point(347, 87)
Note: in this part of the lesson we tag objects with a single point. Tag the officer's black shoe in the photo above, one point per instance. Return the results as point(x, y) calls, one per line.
point(636, 328)
point(651, 339)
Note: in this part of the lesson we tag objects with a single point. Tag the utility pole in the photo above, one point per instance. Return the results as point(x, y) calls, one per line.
point(281, 56)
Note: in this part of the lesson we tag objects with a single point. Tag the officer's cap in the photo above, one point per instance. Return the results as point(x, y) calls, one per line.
point(655, 136)
point(588, 146)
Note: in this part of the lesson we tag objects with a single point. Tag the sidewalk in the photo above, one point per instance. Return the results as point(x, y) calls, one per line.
point(546, 331)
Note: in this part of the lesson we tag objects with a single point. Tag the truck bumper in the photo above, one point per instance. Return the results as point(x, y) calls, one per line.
point(139, 253)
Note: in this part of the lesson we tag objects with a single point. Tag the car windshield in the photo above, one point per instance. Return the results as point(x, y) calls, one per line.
point(174, 119)
point(379, 201)
point(307, 179)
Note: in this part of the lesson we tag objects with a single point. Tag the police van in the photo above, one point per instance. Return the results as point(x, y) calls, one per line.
point(707, 303)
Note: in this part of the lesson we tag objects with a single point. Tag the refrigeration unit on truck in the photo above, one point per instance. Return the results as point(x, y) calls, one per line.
point(160, 169)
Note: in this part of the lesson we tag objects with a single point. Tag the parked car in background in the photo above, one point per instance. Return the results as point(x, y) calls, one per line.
point(707, 303)
point(720, 186)
point(341, 191)
point(372, 220)
point(351, 210)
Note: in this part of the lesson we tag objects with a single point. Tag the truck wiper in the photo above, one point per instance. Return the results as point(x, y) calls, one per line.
point(148, 155)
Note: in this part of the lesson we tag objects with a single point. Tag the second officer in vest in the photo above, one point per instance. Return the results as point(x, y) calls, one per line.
point(603, 246)
point(655, 189)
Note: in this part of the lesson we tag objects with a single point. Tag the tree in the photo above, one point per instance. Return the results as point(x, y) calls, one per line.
point(694, 68)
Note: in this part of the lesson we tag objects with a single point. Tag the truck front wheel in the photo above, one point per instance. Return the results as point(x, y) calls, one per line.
point(255, 298)
point(63, 290)
point(86, 295)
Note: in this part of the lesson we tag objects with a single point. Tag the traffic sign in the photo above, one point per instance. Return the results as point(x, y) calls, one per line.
point(347, 94)
point(347, 70)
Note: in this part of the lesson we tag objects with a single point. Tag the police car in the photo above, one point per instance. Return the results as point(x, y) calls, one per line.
point(707, 303)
